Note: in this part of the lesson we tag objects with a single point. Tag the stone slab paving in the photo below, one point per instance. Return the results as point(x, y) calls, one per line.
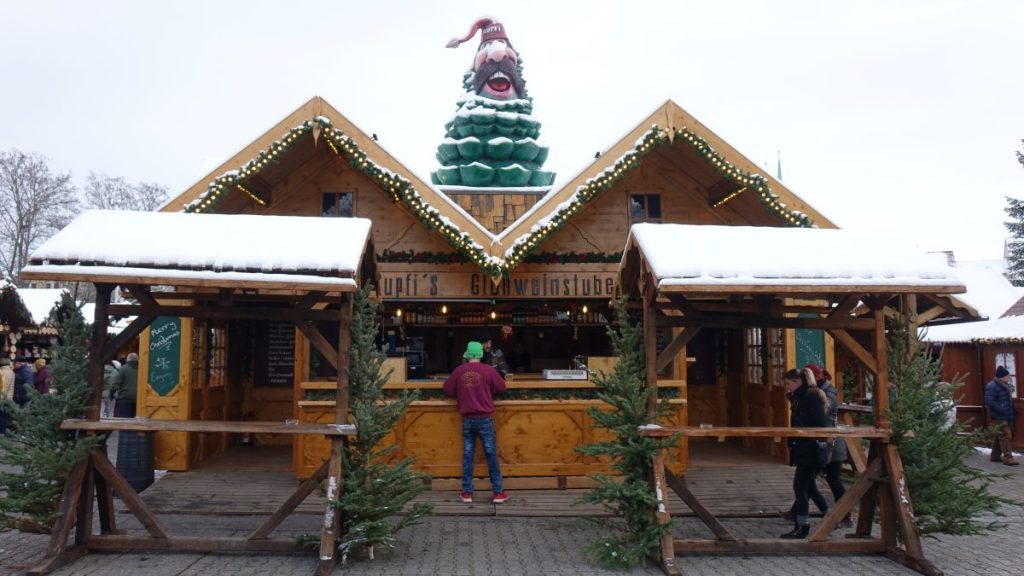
point(542, 546)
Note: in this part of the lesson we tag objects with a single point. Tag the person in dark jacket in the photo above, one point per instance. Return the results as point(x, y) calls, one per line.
point(24, 378)
point(125, 387)
point(809, 409)
point(837, 455)
point(473, 385)
point(1001, 412)
point(493, 355)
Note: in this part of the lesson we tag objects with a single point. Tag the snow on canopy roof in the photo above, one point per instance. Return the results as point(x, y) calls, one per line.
point(722, 256)
point(988, 291)
point(236, 248)
point(39, 301)
point(999, 330)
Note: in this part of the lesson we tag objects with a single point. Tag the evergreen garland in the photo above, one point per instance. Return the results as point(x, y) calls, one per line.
point(948, 495)
point(375, 486)
point(1015, 247)
point(630, 497)
point(36, 455)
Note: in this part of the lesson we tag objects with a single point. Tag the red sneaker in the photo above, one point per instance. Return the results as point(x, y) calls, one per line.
point(467, 497)
point(500, 497)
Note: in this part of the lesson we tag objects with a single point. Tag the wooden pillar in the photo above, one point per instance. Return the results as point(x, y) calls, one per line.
point(99, 342)
point(881, 392)
point(651, 356)
point(344, 355)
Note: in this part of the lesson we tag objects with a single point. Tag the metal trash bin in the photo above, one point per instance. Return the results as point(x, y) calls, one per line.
point(135, 458)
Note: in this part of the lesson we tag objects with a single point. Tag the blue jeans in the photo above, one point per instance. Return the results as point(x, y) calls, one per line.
point(484, 428)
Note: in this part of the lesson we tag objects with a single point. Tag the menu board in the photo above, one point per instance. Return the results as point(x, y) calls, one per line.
point(164, 354)
point(275, 355)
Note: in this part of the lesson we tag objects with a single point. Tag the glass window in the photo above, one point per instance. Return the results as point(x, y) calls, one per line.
point(337, 204)
point(645, 208)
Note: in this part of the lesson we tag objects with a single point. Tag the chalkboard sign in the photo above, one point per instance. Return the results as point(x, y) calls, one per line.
point(810, 347)
point(164, 354)
point(275, 355)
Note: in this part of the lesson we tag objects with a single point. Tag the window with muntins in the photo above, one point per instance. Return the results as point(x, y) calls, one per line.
point(337, 204)
point(644, 208)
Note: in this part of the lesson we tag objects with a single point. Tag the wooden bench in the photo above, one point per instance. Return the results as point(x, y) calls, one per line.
point(883, 469)
point(96, 477)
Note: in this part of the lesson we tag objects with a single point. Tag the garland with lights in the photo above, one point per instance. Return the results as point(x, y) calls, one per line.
point(428, 257)
point(654, 138)
point(344, 147)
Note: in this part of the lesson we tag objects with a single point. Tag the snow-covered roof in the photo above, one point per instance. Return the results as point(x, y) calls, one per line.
point(39, 301)
point(999, 330)
point(684, 257)
point(205, 249)
point(988, 291)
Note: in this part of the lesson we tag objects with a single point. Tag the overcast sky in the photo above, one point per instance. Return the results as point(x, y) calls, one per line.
point(898, 116)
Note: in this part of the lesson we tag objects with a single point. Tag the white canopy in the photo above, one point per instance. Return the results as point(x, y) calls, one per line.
point(205, 249)
point(687, 257)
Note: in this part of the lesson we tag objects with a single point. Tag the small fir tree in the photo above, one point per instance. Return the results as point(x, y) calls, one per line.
point(1015, 246)
point(375, 486)
point(36, 455)
point(630, 497)
point(949, 496)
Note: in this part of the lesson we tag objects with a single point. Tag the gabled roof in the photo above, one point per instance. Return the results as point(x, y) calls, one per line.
point(668, 125)
point(318, 120)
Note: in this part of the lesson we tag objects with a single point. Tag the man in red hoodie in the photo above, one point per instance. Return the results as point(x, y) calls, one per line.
point(473, 385)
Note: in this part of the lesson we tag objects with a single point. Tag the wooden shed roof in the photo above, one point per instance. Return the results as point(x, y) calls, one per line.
point(215, 250)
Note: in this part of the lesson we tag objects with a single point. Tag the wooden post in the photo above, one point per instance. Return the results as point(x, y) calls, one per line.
point(660, 487)
point(651, 356)
point(344, 354)
point(881, 391)
point(99, 340)
point(331, 528)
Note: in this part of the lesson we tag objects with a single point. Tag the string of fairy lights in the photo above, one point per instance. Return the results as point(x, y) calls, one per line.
point(401, 190)
point(654, 138)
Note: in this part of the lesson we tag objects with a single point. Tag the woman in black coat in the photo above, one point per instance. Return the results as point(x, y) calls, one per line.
point(809, 408)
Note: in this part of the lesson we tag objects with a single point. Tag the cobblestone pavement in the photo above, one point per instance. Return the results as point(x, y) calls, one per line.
point(541, 546)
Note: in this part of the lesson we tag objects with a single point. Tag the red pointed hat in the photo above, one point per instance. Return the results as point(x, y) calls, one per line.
point(492, 30)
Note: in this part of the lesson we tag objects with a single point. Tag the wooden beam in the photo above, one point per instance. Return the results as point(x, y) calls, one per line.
point(342, 282)
point(678, 485)
point(845, 306)
point(758, 321)
point(128, 495)
point(776, 546)
point(684, 305)
point(344, 360)
point(810, 290)
point(127, 335)
point(94, 375)
point(330, 531)
point(881, 391)
point(650, 358)
point(845, 504)
point(930, 314)
point(229, 313)
point(310, 331)
point(674, 347)
point(847, 341)
point(909, 534)
point(141, 294)
point(67, 513)
point(667, 560)
point(193, 544)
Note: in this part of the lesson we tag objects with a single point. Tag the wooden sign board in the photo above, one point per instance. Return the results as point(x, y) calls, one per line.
point(398, 285)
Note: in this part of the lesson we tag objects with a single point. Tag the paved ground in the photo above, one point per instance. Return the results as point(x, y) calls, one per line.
point(541, 546)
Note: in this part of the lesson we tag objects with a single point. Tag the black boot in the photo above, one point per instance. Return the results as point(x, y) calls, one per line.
point(798, 532)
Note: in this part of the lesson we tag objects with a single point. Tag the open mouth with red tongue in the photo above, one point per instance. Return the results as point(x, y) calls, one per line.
point(499, 84)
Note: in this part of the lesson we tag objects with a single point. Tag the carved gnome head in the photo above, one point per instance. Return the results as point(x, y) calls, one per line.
point(495, 71)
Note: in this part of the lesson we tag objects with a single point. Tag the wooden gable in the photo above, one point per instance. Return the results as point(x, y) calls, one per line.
point(699, 178)
point(316, 150)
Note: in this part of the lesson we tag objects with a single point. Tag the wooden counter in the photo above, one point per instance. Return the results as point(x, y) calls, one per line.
point(536, 438)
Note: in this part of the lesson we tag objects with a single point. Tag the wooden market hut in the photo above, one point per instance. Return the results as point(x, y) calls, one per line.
point(537, 270)
point(183, 270)
point(855, 287)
